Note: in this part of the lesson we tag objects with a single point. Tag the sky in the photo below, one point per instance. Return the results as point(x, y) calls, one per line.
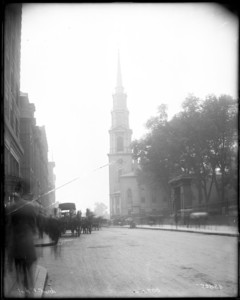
point(69, 58)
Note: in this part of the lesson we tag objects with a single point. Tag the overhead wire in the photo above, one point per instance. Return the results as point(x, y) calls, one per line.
point(66, 183)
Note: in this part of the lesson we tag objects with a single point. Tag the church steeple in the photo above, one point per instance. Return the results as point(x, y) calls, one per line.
point(119, 86)
point(120, 145)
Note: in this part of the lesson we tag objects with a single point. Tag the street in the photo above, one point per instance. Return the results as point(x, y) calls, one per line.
point(123, 262)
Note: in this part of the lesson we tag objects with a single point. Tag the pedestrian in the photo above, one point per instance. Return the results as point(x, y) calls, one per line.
point(21, 249)
point(53, 229)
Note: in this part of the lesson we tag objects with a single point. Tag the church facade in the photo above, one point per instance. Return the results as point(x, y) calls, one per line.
point(128, 198)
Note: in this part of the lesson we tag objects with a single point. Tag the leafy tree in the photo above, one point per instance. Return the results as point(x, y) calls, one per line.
point(200, 140)
point(100, 209)
point(220, 119)
point(189, 124)
point(153, 151)
point(89, 213)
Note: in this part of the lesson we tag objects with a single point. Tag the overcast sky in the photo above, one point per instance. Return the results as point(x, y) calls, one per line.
point(69, 69)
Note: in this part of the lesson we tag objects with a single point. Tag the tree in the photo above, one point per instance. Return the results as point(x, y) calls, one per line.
point(89, 213)
point(100, 209)
point(188, 125)
point(201, 140)
point(220, 119)
point(156, 151)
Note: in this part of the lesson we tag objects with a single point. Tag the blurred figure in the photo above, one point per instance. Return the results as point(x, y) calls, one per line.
point(41, 225)
point(20, 233)
point(53, 228)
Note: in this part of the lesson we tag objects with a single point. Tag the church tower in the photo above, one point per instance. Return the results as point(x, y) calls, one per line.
point(120, 155)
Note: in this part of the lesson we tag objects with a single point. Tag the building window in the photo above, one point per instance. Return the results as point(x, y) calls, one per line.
point(154, 199)
point(11, 118)
point(17, 127)
point(119, 174)
point(119, 143)
point(12, 82)
point(143, 200)
point(129, 196)
point(119, 118)
point(6, 160)
point(17, 96)
point(6, 106)
point(117, 201)
point(14, 166)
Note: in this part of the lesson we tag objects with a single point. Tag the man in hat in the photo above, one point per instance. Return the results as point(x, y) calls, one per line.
point(22, 226)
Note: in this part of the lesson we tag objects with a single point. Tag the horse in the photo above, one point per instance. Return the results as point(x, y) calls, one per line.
point(75, 224)
point(86, 225)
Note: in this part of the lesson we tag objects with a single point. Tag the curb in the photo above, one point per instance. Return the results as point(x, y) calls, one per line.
point(193, 231)
point(46, 244)
point(41, 279)
point(184, 230)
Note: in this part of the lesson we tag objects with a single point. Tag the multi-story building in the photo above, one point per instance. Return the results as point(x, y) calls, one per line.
point(51, 182)
point(27, 127)
point(13, 151)
point(37, 172)
point(41, 187)
point(25, 144)
point(128, 197)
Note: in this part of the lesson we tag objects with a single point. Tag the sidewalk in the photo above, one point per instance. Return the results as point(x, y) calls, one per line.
point(207, 229)
point(45, 241)
point(13, 290)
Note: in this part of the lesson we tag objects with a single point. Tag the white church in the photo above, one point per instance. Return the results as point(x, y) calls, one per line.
point(128, 198)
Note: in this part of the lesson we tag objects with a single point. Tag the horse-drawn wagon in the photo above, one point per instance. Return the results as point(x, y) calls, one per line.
point(70, 220)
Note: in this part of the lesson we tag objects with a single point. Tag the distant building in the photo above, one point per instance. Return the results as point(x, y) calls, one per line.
point(37, 172)
point(51, 186)
point(13, 151)
point(128, 197)
point(27, 131)
point(41, 166)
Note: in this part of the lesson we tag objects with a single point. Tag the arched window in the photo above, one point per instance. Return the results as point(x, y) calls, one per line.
point(129, 196)
point(119, 143)
point(119, 174)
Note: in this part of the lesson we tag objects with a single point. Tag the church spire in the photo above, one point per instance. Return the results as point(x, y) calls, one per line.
point(119, 87)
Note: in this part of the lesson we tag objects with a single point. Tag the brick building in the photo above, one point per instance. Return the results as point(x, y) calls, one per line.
point(51, 182)
point(27, 127)
point(35, 165)
point(25, 144)
point(13, 151)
